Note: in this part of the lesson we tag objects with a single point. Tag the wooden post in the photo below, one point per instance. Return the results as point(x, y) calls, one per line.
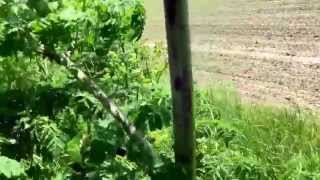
point(178, 39)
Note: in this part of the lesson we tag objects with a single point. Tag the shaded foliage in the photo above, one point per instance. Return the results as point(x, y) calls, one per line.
point(50, 126)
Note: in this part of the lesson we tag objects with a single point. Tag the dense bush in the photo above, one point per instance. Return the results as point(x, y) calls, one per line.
point(51, 128)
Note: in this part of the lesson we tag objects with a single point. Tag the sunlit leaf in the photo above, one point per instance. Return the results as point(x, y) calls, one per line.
point(10, 168)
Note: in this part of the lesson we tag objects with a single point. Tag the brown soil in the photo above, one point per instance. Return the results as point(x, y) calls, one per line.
point(270, 49)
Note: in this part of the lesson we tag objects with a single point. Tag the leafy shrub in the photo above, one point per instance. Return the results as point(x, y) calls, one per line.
point(58, 130)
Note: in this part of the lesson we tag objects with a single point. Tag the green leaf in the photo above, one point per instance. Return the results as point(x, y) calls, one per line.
point(70, 14)
point(53, 5)
point(4, 140)
point(10, 168)
point(74, 148)
point(2, 2)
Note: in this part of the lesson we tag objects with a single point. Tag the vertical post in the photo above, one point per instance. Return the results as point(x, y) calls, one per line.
point(178, 39)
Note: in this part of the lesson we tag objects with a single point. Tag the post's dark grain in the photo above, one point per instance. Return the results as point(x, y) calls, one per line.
point(178, 39)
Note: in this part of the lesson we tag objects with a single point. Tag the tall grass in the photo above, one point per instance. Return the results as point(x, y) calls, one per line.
point(238, 140)
point(256, 141)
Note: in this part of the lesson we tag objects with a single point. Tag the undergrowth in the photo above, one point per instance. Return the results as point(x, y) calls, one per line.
point(238, 140)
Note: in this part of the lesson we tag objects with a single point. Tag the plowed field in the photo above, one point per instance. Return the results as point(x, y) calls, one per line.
point(270, 49)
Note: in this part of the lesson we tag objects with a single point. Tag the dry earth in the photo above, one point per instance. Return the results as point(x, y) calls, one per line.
point(270, 49)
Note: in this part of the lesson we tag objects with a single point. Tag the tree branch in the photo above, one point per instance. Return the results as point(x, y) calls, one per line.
point(107, 103)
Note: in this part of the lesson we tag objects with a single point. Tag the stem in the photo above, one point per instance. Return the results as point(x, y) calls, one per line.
point(84, 5)
point(126, 66)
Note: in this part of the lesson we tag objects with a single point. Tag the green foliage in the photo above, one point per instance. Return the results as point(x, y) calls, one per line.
point(50, 128)
point(84, 26)
point(240, 141)
point(49, 139)
point(265, 141)
point(10, 168)
point(47, 122)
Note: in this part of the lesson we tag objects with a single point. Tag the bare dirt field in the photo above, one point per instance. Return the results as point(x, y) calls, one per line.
point(270, 49)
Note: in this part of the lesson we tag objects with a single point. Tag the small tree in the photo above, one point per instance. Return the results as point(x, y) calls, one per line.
point(81, 36)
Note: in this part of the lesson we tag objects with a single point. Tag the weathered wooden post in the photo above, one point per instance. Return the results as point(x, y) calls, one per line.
point(178, 39)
